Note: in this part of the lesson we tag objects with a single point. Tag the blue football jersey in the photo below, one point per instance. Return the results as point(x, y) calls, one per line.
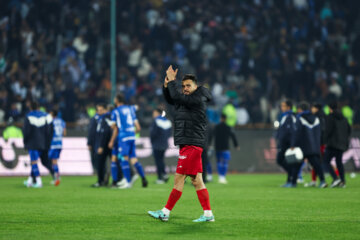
point(59, 126)
point(124, 116)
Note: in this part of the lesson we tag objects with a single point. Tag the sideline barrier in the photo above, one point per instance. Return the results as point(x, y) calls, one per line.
point(257, 154)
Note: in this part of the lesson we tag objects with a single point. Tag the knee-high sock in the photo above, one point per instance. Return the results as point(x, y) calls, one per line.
point(126, 170)
point(173, 198)
point(313, 175)
point(209, 168)
point(114, 172)
point(204, 199)
point(35, 170)
point(55, 168)
point(221, 169)
point(139, 169)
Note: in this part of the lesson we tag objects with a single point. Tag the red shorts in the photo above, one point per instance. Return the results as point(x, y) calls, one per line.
point(189, 162)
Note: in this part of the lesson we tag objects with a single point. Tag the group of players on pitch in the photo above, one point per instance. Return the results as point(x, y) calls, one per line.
point(320, 139)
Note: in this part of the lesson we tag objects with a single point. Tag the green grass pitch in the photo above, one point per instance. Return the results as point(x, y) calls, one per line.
point(249, 207)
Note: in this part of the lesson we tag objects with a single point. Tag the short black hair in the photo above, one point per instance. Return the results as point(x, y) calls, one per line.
point(305, 106)
point(103, 105)
point(159, 110)
point(120, 98)
point(333, 105)
point(288, 103)
point(34, 105)
point(190, 77)
point(317, 105)
point(54, 112)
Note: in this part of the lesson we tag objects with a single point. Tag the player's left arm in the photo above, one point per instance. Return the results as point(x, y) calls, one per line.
point(137, 126)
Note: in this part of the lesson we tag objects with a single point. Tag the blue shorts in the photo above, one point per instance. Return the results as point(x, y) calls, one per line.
point(34, 155)
point(128, 149)
point(116, 150)
point(54, 153)
point(223, 156)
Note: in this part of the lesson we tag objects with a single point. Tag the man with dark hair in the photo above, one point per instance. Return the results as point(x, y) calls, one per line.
point(307, 137)
point(91, 140)
point(337, 137)
point(160, 131)
point(59, 127)
point(102, 138)
point(284, 136)
point(222, 134)
point(36, 133)
point(189, 133)
point(125, 125)
point(316, 109)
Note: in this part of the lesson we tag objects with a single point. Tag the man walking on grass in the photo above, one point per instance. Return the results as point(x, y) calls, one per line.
point(189, 133)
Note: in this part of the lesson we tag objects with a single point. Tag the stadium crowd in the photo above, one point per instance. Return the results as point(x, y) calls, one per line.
point(250, 53)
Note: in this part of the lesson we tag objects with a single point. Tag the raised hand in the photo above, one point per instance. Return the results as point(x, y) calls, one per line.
point(171, 74)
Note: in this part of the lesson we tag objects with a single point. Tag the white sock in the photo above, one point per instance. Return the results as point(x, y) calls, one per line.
point(38, 180)
point(165, 211)
point(208, 213)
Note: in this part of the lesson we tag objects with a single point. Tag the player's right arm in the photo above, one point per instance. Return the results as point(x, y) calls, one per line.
point(166, 92)
point(115, 130)
point(113, 136)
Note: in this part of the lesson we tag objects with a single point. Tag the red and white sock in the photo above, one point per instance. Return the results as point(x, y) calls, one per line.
point(173, 198)
point(204, 200)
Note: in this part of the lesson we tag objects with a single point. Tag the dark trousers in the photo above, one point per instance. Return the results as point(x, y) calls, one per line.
point(329, 154)
point(93, 156)
point(46, 162)
point(101, 162)
point(205, 160)
point(159, 161)
point(314, 160)
point(280, 159)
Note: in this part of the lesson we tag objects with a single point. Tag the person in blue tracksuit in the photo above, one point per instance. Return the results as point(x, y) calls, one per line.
point(160, 131)
point(284, 136)
point(36, 131)
point(307, 136)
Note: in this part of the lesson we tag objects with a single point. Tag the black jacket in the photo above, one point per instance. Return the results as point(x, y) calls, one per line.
point(321, 115)
point(222, 133)
point(103, 132)
point(190, 120)
point(337, 134)
point(307, 133)
point(285, 132)
point(92, 130)
point(160, 131)
point(37, 131)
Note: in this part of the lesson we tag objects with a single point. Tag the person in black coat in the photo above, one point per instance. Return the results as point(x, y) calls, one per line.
point(91, 140)
point(102, 138)
point(307, 136)
point(160, 131)
point(222, 134)
point(337, 136)
point(284, 136)
point(190, 123)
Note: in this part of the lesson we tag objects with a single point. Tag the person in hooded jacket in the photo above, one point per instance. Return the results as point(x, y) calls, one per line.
point(337, 135)
point(307, 136)
point(284, 136)
point(190, 124)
